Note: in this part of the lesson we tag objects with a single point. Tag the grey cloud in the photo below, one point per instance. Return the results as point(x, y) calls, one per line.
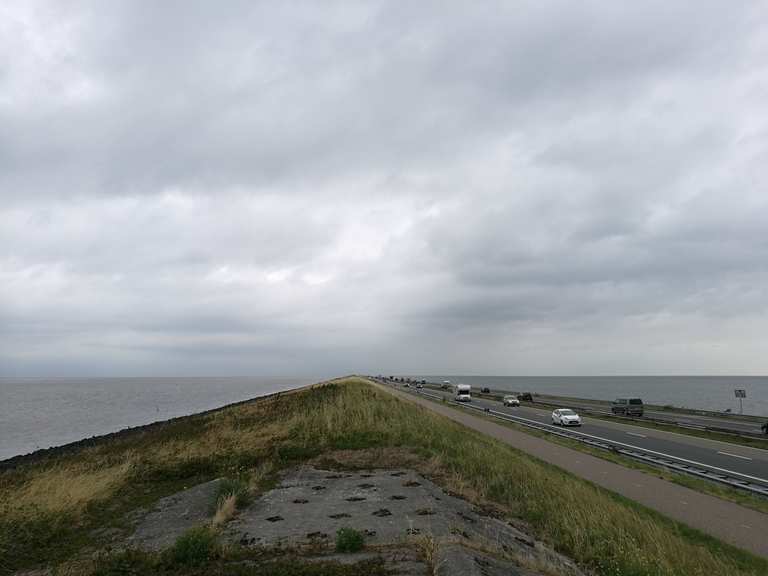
point(285, 187)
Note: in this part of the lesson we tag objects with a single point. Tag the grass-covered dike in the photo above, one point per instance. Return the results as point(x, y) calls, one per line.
point(56, 511)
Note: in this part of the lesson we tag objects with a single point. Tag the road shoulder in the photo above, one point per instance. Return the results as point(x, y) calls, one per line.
point(727, 521)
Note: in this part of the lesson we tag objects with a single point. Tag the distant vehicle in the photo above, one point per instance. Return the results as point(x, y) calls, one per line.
point(445, 385)
point(565, 417)
point(511, 400)
point(485, 390)
point(525, 397)
point(423, 381)
point(627, 407)
point(419, 385)
point(462, 393)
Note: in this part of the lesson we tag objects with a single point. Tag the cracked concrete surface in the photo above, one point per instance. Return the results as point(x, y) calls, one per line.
point(390, 508)
point(172, 516)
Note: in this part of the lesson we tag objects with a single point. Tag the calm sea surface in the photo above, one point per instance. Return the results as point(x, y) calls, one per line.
point(44, 412)
point(705, 392)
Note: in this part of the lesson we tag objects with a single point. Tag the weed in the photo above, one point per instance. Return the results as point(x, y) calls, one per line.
point(429, 547)
point(349, 540)
point(233, 487)
point(225, 510)
point(193, 548)
point(125, 563)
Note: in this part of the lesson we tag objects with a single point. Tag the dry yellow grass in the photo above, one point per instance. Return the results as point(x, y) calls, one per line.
point(225, 510)
point(70, 487)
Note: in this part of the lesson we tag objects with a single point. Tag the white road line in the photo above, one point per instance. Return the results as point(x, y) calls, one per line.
point(636, 434)
point(678, 458)
point(733, 455)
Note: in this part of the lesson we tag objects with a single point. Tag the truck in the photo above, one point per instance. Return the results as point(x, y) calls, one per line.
point(462, 393)
point(627, 407)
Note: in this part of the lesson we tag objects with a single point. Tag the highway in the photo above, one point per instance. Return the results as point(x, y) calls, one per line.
point(727, 520)
point(694, 420)
point(730, 457)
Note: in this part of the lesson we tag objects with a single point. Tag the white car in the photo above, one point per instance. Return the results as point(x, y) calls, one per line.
point(511, 401)
point(566, 417)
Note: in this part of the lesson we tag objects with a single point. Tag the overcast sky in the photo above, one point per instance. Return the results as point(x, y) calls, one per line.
point(310, 189)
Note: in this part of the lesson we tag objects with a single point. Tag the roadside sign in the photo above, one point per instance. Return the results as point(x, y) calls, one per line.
point(740, 394)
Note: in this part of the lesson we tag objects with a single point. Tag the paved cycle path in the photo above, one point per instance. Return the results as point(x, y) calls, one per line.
point(727, 521)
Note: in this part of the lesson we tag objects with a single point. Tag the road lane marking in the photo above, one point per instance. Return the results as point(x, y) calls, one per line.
point(733, 455)
point(636, 434)
point(678, 458)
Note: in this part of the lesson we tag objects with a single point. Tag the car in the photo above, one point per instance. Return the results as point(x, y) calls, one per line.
point(511, 400)
point(419, 385)
point(627, 407)
point(565, 417)
point(485, 390)
point(525, 397)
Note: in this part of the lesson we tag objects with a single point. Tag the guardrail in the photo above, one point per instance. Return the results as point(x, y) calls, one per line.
point(730, 478)
point(646, 418)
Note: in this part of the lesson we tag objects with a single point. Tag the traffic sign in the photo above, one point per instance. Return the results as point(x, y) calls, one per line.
point(740, 394)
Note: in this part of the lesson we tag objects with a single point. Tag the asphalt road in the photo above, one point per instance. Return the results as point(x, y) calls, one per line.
point(732, 457)
point(730, 423)
point(728, 521)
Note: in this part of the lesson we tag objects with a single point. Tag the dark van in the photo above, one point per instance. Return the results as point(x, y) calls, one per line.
point(627, 406)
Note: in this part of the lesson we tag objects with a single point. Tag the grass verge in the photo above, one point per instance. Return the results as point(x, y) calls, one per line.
point(97, 486)
point(721, 491)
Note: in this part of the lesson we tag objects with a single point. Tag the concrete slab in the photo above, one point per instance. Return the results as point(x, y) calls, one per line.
point(172, 516)
point(390, 507)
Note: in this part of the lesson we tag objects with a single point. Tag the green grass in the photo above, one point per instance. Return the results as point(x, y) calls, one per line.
point(195, 547)
point(349, 540)
point(237, 487)
point(61, 500)
point(234, 562)
point(699, 484)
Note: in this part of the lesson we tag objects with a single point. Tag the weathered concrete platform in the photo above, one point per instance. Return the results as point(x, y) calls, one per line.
point(173, 515)
point(391, 508)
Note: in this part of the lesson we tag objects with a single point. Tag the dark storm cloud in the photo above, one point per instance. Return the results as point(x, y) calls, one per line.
point(286, 187)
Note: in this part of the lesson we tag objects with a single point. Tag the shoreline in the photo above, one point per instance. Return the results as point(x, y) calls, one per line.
point(97, 439)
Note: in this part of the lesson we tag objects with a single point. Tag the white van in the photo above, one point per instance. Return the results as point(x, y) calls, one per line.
point(462, 393)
